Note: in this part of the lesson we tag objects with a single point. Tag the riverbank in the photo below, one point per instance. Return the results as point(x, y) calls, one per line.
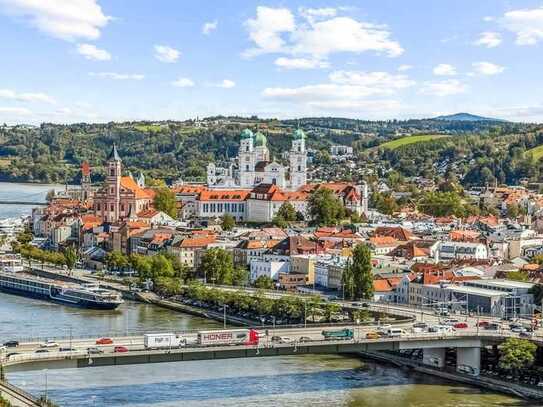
point(483, 382)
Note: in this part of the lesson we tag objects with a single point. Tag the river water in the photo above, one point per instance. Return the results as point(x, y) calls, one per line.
point(278, 381)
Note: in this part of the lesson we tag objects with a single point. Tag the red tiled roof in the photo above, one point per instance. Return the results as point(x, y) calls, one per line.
point(130, 184)
point(196, 242)
point(223, 195)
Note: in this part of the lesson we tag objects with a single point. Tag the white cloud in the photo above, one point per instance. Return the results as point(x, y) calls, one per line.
point(90, 51)
point(444, 88)
point(300, 63)
point(183, 83)
point(166, 54)
point(317, 37)
point(65, 19)
point(527, 24)
point(404, 67)
point(17, 111)
point(487, 68)
point(225, 84)
point(346, 90)
point(209, 26)
point(313, 14)
point(488, 18)
point(118, 76)
point(265, 30)
point(26, 97)
point(489, 39)
point(444, 70)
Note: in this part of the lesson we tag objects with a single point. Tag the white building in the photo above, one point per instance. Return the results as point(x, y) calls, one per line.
point(269, 266)
point(447, 251)
point(255, 166)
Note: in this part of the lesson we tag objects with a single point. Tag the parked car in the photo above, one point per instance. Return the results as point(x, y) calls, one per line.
point(11, 344)
point(94, 351)
point(120, 349)
point(104, 341)
point(372, 335)
point(460, 325)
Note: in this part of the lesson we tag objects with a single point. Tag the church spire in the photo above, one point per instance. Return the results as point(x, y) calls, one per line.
point(114, 155)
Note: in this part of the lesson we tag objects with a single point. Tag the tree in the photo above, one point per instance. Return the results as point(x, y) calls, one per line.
point(287, 212)
point(218, 266)
point(70, 258)
point(116, 260)
point(264, 282)
point(518, 275)
point(240, 276)
point(228, 222)
point(537, 292)
point(142, 265)
point(325, 209)
point(513, 211)
point(360, 269)
point(517, 353)
point(442, 204)
point(165, 201)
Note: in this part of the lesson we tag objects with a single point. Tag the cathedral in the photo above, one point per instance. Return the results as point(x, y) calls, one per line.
point(255, 166)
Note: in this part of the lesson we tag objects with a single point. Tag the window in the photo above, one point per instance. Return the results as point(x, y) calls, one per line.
point(122, 207)
point(219, 207)
point(246, 168)
point(112, 172)
point(112, 207)
point(299, 168)
point(97, 207)
point(227, 207)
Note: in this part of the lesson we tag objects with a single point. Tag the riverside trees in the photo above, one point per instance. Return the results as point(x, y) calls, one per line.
point(357, 277)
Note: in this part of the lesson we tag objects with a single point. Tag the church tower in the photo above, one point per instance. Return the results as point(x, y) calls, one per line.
point(113, 182)
point(247, 159)
point(298, 160)
point(86, 192)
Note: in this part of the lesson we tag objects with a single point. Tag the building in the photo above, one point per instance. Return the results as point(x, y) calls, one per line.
point(255, 166)
point(447, 251)
point(120, 196)
point(269, 266)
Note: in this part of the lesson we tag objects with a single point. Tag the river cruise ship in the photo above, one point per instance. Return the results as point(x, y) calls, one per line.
point(79, 295)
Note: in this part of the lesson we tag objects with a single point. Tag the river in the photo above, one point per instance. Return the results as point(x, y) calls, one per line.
point(278, 381)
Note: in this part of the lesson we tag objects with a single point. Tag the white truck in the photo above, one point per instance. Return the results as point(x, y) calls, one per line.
point(164, 341)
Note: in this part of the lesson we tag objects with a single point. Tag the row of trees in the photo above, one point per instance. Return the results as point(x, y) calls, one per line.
point(67, 258)
point(288, 308)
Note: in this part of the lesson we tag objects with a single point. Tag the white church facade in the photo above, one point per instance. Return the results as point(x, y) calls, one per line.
point(255, 166)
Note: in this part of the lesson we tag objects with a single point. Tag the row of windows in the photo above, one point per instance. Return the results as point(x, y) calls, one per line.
point(226, 207)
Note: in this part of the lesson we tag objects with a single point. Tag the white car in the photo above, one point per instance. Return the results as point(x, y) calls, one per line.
point(49, 344)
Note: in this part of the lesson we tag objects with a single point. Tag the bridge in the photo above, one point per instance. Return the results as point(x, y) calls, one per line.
point(296, 341)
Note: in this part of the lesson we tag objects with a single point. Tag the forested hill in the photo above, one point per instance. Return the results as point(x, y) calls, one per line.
point(169, 150)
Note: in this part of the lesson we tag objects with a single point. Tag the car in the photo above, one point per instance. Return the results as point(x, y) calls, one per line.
point(526, 334)
point(518, 329)
point(373, 335)
point(120, 349)
point(49, 344)
point(104, 341)
point(284, 339)
point(422, 325)
point(12, 354)
point(483, 324)
point(450, 321)
point(275, 338)
point(460, 325)
point(305, 339)
point(41, 351)
point(66, 349)
point(94, 351)
point(11, 344)
point(492, 326)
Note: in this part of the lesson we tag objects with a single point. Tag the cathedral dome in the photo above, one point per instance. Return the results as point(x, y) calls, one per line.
point(260, 139)
point(299, 134)
point(246, 133)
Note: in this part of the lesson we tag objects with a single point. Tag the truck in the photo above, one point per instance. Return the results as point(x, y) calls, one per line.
point(164, 341)
point(228, 337)
point(338, 334)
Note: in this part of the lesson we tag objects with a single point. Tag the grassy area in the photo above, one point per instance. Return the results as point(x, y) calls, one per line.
point(148, 127)
point(536, 152)
point(404, 141)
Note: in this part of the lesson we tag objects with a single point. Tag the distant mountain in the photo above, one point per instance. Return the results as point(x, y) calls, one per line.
point(466, 117)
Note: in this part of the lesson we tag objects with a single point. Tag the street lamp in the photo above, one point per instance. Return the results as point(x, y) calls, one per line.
point(45, 396)
point(224, 315)
point(305, 313)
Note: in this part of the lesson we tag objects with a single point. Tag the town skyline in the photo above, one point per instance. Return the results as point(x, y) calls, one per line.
point(101, 62)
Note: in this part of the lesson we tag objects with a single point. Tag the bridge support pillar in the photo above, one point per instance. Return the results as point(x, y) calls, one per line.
point(468, 360)
point(434, 357)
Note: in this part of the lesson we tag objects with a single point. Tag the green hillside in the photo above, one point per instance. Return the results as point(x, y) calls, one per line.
point(536, 152)
point(404, 141)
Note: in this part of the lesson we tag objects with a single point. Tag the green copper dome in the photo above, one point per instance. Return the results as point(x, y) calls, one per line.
point(260, 139)
point(246, 133)
point(299, 134)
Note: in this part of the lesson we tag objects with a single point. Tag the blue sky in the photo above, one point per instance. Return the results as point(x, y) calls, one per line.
point(100, 60)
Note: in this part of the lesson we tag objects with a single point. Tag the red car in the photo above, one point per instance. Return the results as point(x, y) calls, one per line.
point(104, 341)
point(120, 349)
point(460, 325)
point(483, 324)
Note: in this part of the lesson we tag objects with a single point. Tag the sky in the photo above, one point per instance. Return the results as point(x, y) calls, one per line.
point(68, 61)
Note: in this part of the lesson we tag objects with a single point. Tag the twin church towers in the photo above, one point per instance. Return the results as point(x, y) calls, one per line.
point(255, 166)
